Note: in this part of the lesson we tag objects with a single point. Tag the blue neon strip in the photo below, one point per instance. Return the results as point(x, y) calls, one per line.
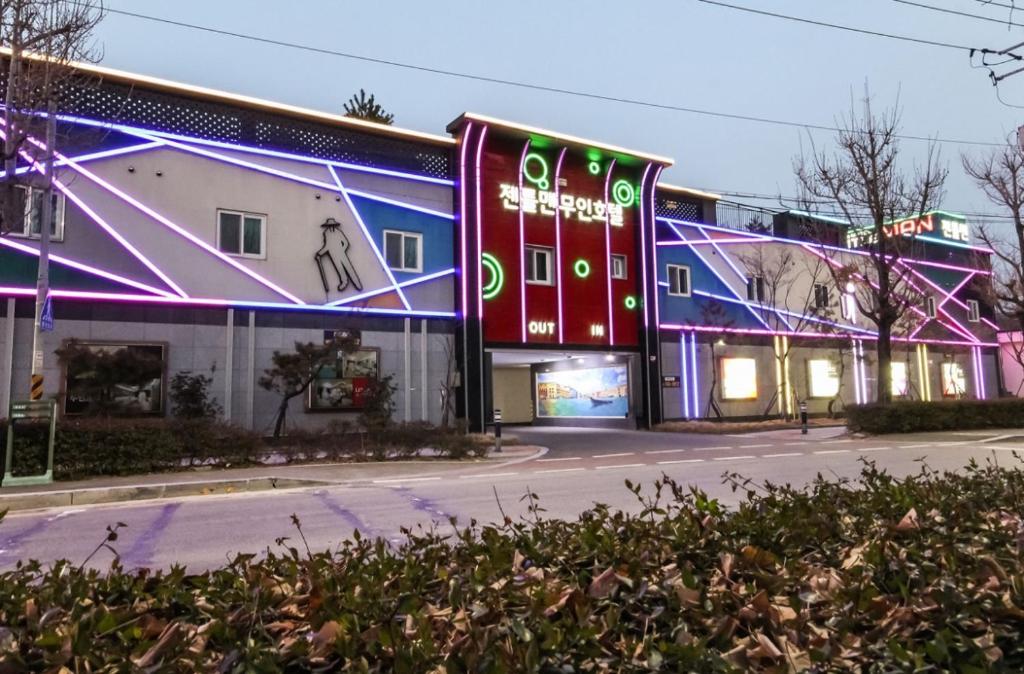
point(382, 291)
point(93, 156)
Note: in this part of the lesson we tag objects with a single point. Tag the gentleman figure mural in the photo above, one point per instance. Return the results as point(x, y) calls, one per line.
point(334, 249)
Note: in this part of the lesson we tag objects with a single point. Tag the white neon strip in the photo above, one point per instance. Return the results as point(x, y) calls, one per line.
point(401, 204)
point(608, 255)
point(479, 290)
point(5, 241)
point(856, 375)
point(812, 319)
point(684, 379)
point(522, 244)
point(643, 262)
point(558, 247)
point(461, 216)
point(93, 156)
point(693, 375)
point(385, 290)
point(366, 233)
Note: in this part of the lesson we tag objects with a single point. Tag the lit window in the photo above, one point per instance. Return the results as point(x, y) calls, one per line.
point(619, 266)
point(30, 201)
point(739, 379)
point(823, 378)
point(929, 307)
point(755, 288)
point(821, 296)
point(973, 311)
point(900, 382)
point(403, 250)
point(242, 234)
point(538, 266)
point(954, 382)
point(678, 280)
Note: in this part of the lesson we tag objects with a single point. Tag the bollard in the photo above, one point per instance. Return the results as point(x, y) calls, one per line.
point(803, 417)
point(497, 431)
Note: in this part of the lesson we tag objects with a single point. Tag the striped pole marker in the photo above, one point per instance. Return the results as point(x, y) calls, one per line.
point(37, 387)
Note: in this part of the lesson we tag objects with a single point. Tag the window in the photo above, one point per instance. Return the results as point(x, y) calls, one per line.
point(929, 307)
point(538, 266)
point(403, 250)
point(900, 381)
point(678, 280)
point(822, 378)
point(242, 234)
point(31, 199)
point(973, 311)
point(755, 288)
point(739, 379)
point(619, 266)
point(821, 296)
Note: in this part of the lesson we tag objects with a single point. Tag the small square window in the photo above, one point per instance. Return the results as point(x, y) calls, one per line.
point(678, 280)
point(538, 265)
point(242, 234)
point(30, 201)
point(973, 311)
point(619, 267)
point(403, 251)
point(930, 309)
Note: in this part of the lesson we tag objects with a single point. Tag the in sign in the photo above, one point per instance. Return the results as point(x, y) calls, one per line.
point(542, 327)
point(596, 330)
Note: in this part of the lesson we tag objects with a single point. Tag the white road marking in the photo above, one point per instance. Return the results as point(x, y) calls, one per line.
point(560, 470)
point(731, 458)
point(625, 465)
point(672, 463)
point(918, 446)
point(468, 477)
point(779, 456)
point(710, 449)
point(753, 446)
point(610, 456)
point(835, 442)
point(666, 451)
point(796, 444)
point(406, 479)
point(832, 451)
point(1004, 448)
point(873, 449)
point(66, 513)
point(999, 438)
point(568, 458)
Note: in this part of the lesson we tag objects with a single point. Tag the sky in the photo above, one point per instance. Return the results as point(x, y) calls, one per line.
point(675, 52)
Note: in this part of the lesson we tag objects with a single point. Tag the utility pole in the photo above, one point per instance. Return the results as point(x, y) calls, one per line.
point(43, 277)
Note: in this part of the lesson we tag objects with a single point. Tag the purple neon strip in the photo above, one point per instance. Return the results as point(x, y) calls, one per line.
point(366, 234)
point(956, 326)
point(103, 224)
point(172, 226)
point(93, 156)
point(813, 319)
point(522, 244)
point(856, 373)
point(479, 290)
point(558, 246)
point(863, 374)
point(138, 131)
point(608, 254)
point(401, 204)
point(652, 221)
point(950, 295)
point(981, 375)
point(943, 265)
point(909, 264)
point(4, 241)
point(709, 242)
point(206, 302)
point(693, 375)
point(684, 376)
point(463, 143)
point(643, 258)
point(771, 333)
point(385, 290)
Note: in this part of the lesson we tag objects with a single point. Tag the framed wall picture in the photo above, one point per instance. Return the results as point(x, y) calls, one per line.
point(595, 392)
point(343, 385)
point(111, 378)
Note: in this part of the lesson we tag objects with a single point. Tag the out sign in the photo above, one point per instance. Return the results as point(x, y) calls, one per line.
point(542, 327)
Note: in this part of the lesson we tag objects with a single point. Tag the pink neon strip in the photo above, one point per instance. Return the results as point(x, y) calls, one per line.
point(4, 241)
point(479, 290)
point(710, 242)
point(558, 245)
point(950, 295)
point(943, 265)
point(783, 333)
point(956, 300)
point(463, 143)
point(366, 233)
point(684, 379)
point(956, 326)
point(643, 259)
point(101, 222)
point(608, 254)
point(522, 244)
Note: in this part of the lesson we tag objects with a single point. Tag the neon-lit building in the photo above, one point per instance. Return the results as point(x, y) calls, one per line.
point(549, 276)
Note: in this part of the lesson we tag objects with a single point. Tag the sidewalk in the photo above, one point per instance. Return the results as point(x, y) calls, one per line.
point(235, 480)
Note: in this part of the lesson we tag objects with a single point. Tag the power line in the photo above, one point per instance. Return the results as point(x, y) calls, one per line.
point(892, 36)
point(527, 85)
point(944, 10)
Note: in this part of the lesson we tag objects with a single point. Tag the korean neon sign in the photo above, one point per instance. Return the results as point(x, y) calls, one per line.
point(949, 228)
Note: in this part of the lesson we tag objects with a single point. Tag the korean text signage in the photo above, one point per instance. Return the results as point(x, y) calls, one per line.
point(934, 226)
point(552, 217)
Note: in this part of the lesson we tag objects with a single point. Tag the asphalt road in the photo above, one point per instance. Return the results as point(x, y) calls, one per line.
point(580, 468)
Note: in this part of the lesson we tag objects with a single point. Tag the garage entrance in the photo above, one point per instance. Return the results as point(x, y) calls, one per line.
point(558, 388)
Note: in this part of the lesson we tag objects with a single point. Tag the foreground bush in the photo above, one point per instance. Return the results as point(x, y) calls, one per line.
point(945, 415)
point(921, 574)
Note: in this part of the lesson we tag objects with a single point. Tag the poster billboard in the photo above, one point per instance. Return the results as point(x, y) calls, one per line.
point(343, 385)
point(596, 392)
point(120, 379)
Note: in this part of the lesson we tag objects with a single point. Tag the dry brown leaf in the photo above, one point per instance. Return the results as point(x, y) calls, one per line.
point(324, 639)
point(603, 585)
point(727, 561)
point(765, 649)
point(909, 522)
point(170, 636)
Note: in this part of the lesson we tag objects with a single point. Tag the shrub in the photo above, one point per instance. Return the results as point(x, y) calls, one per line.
point(946, 415)
point(886, 575)
point(190, 397)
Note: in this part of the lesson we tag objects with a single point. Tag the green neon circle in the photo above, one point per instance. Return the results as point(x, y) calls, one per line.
point(582, 268)
point(630, 302)
point(623, 193)
point(541, 180)
point(594, 167)
point(497, 280)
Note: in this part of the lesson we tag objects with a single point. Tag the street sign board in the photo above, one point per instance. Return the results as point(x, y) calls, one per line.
point(46, 317)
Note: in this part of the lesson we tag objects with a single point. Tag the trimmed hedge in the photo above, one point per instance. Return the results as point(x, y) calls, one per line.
point(945, 415)
point(920, 574)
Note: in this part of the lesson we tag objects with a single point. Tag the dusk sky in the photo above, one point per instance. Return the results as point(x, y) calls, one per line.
point(674, 52)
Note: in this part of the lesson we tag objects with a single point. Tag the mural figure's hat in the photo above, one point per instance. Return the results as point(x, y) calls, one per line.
point(331, 224)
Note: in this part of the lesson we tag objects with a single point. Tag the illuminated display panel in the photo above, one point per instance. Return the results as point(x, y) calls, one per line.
point(583, 205)
point(900, 381)
point(596, 392)
point(739, 379)
point(822, 378)
point(954, 381)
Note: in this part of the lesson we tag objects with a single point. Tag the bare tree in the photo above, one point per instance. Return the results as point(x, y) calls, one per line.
point(1000, 175)
point(713, 314)
point(864, 180)
point(42, 39)
point(449, 383)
